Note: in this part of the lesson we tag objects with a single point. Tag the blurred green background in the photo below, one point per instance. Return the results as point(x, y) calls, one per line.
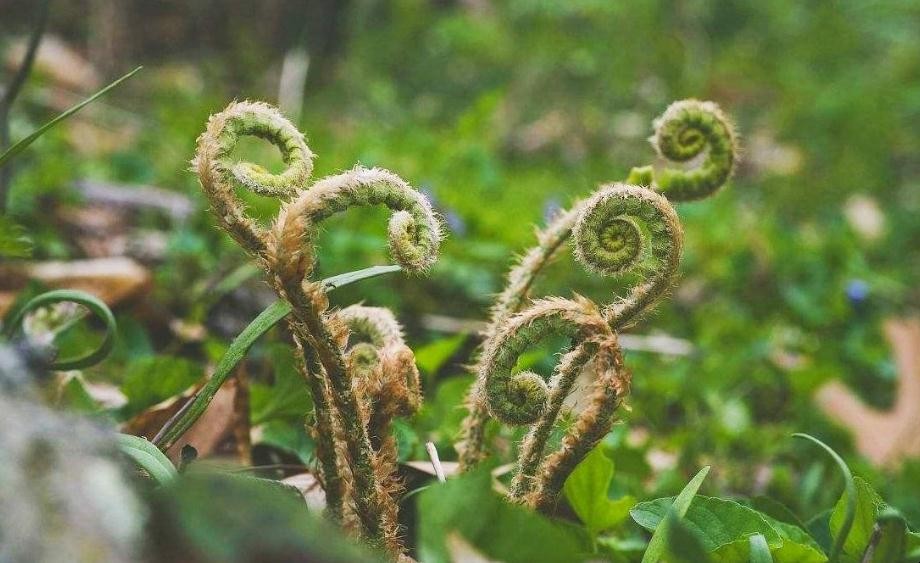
point(503, 113)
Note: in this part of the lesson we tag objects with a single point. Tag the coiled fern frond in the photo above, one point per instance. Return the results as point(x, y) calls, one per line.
point(357, 389)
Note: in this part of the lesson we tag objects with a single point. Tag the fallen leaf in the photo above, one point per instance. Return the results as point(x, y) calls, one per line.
point(885, 437)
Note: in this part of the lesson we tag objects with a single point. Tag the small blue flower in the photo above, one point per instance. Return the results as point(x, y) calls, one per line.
point(857, 292)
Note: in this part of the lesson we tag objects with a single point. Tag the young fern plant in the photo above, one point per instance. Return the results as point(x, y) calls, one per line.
point(622, 227)
point(358, 369)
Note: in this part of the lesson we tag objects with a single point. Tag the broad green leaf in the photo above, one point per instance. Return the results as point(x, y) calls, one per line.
point(760, 551)
point(468, 507)
point(680, 505)
point(586, 490)
point(14, 243)
point(287, 396)
point(867, 505)
point(785, 523)
point(776, 510)
point(151, 380)
point(148, 457)
point(22, 144)
point(789, 552)
point(716, 521)
point(793, 533)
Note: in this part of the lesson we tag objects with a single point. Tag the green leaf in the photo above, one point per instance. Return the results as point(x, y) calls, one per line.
point(788, 552)
point(760, 551)
point(148, 457)
point(288, 395)
point(24, 143)
point(656, 546)
point(819, 528)
point(776, 510)
point(13, 240)
point(467, 507)
point(792, 532)
point(867, 504)
point(587, 492)
point(784, 521)
point(153, 379)
point(716, 521)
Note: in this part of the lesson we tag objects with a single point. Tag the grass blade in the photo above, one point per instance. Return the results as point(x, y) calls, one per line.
point(850, 513)
point(148, 457)
point(22, 144)
point(658, 543)
point(347, 278)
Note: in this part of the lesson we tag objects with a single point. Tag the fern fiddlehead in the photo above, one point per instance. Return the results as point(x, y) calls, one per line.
point(622, 227)
point(353, 471)
point(690, 129)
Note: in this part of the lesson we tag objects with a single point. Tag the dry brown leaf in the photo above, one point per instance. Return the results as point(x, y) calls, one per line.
point(885, 437)
point(149, 422)
point(111, 279)
point(213, 427)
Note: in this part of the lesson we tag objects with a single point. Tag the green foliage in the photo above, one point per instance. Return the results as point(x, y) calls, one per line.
point(503, 114)
point(286, 397)
point(866, 504)
point(499, 530)
point(586, 490)
point(677, 510)
point(715, 521)
point(154, 379)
